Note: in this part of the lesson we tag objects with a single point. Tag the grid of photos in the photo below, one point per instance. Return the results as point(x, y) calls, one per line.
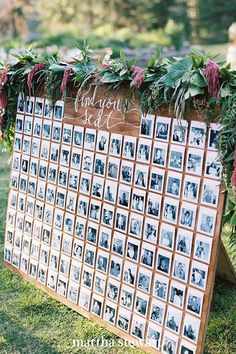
point(120, 226)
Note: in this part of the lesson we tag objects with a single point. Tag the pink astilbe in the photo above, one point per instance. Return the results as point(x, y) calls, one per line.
point(212, 74)
point(233, 178)
point(38, 67)
point(68, 71)
point(138, 75)
point(3, 95)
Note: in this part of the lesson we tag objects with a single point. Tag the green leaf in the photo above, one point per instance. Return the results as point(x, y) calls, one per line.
point(194, 91)
point(233, 219)
point(198, 80)
point(179, 68)
point(109, 78)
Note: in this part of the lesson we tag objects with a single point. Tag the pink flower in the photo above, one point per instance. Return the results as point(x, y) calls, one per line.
point(138, 75)
point(68, 71)
point(3, 79)
point(233, 178)
point(105, 65)
point(30, 76)
point(212, 74)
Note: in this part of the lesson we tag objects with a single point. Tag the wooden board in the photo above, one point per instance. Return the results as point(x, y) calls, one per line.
point(154, 247)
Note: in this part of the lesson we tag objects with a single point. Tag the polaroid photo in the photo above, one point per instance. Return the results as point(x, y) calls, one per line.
point(18, 239)
point(191, 188)
point(169, 343)
point(9, 236)
point(87, 161)
point(97, 187)
point(141, 303)
point(25, 164)
point(97, 305)
point(73, 182)
point(147, 126)
point(162, 130)
point(194, 301)
point(39, 207)
point(130, 272)
point(50, 194)
point(65, 156)
point(69, 223)
point(113, 168)
point(191, 328)
point(113, 288)
point(198, 275)
point(173, 319)
point(64, 265)
point(56, 132)
point(22, 203)
point(170, 210)
point(44, 255)
point(37, 230)
point(176, 157)
point(46, 130)
point(21, 103)
point(90, 139)
point(14, 183)
point(54, 261)
point(150, 230)
point(100, 165)
point(202, 250)
point(35, 148)
point(52, 280)
point(138, 201)
point(48, 109)
point(188, 215)
point(56, 240)
point(58, 219)
point(121, 220)
point(76, 157)
point(157, 312)
point(156, 180)
point(16, 162)
point(163, 261)
point(61, 198)
point(45, 149)
point(67, 244)
point(46, 234)
point(141, 176)
point(26, 246)
point(84, 298)
point(173, 184)
point(135, 225)
point(34, 252)
point(124, 194)
point(181, 268)
point(105, 238)
point(33, 170)
point(187, 348)
point(92, 232)
point(28, 125)
point(43, 167)
point(107, 215)
point(87, 277)
point(127, 170)
point(147, 254)
point(75, 271)
point(24, 264)
point(33, 265)
point(144, 279)
point(144, 150)
point(83, 204)
point(110, 191)
point(27, 145)
point(48, 214)
point(29, 105)
point(41, 190)
point(28, 225)
point(32, 187)
point(213, 136)
point(11, 216)
point(52, 173)
point(138, 327)
point(206, 221)
point(19, 224)
point(71, 201)
point(19, 123)
point(133, 249)
point(127, 297)
point(197, 134)
point(115, 267)
point(177, 294)
point(110, 312)
point(102, 142)
point(67, 134)
point(179, 131)
point(38, 108)
point(123, 319)
point(213, 168)
point(153, 336)
point(37, 127)
point(59, 110)
point(99, 283)
point(167, 236)
point(23, 183)
point(95, 210)
point(153, 205)
point(80, 227)
point(18, 142)
point(129, 147)
point(194, 161)
point(159, 154)
point(184, 242)
point(78, 136)
point(115, 145)
point(210, 192)
point(62, 285)
point(63, 177)
point(73, 292)
point(118, 243)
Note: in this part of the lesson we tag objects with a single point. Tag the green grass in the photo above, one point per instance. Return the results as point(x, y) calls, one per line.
point(31, 322)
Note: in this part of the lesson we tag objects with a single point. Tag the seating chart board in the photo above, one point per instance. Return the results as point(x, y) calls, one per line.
point(118, 219)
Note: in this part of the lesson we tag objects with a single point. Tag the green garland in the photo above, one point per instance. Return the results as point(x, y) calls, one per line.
point(181, 84)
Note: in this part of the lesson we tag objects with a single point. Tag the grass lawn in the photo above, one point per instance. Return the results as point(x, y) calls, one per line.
point(32, 322)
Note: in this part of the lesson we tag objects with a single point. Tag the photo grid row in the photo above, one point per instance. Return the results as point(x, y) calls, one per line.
point(73, 216)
